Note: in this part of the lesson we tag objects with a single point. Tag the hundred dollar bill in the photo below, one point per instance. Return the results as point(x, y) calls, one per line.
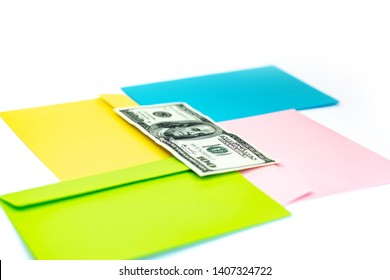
point(194, 138)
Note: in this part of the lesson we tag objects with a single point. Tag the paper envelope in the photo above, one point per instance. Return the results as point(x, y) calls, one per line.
point(135, 212)
point(311, 157)
point(83, 138)
point(234, 95)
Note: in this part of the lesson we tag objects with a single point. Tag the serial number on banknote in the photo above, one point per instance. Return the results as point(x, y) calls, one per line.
point(194, 139)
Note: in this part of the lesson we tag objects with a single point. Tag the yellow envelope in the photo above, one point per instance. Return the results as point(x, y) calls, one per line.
point(83, 138)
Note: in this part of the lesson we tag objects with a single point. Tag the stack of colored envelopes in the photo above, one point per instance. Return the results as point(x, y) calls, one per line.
point(124, 197)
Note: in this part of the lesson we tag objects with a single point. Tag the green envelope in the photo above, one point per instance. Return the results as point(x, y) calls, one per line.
point(135, 212)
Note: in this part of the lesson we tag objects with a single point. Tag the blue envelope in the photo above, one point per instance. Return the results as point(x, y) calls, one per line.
point(234, 95)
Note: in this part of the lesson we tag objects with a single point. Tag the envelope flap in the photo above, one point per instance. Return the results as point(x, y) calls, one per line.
point(95, 183)
point(118, 100)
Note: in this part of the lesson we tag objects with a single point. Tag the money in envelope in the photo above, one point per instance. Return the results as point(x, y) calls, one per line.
point(194, 139)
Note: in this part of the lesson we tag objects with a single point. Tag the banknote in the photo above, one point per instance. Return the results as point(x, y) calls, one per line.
point(194, 139)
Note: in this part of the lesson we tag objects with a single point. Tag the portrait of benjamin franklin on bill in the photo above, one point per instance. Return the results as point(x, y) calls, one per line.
point(182, 130)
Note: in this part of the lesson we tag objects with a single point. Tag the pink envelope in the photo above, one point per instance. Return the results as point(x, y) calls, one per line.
point(314, 160)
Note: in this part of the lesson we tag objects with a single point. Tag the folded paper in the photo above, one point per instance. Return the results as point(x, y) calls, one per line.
point(135, 212)
point(234, 95)
point(311, 156)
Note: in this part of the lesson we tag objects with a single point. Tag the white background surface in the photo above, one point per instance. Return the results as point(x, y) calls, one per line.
point(54, 52)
